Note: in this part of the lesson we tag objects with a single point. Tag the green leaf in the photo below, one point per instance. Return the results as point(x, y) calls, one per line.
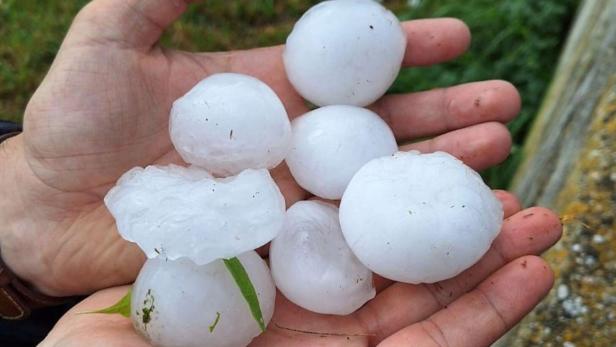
point(121, 307)
point(242, 280)
point(213, 326)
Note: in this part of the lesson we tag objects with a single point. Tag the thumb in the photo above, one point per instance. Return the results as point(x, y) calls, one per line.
point(129, 23)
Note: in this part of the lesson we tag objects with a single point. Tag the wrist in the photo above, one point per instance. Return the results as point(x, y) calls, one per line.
point(17, 298)
point(17, 240)
point(10, 149)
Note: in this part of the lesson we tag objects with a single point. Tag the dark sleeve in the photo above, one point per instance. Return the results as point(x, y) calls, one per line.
point(30, 332)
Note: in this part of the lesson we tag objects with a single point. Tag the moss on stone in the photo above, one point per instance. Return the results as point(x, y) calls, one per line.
point(581, 310)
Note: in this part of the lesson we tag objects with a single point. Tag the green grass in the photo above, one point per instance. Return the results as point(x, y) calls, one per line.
point(516, 40)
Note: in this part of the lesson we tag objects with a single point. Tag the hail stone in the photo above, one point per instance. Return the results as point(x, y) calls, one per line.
point(419, 217)
point(182, 304)
point(228, 123)
point(344, 52)
point(312, 264)
point(331, 143)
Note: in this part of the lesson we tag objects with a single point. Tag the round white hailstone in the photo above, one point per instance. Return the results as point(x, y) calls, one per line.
point(331, 143)
point(230, 122)
point(331, 279)
point(184, 212)
point(419, 218)
point(345, 52)
point(181, 304)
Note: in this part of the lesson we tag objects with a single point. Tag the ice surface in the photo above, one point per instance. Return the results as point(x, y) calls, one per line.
point(312, 264)
point(175, 303)
point(230, 122)
point(331, 143)
point(345, 52)
point(183, 212)
point(419, 217)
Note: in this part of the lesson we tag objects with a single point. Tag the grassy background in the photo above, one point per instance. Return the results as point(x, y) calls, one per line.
point(516, 40)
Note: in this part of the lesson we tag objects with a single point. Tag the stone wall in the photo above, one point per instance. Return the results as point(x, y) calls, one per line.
point(570, 166)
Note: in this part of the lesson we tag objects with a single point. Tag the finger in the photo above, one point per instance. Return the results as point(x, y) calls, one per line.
point(128, 23)
point(429, 41)
point(76, 328)
point(511, 204)
point(433, 41)
point(479, 146)
point(291, 191)
point(531, 231)
point(482, 316)
point(441, 110)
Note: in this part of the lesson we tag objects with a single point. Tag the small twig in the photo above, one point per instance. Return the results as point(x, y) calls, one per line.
point(322, 334)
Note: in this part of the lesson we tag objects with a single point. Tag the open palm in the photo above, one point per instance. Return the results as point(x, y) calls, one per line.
point(473, 309)
point(103, 108)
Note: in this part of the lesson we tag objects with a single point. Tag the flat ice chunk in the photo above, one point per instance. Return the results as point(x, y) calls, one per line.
point(312, 264)
point(181, 304)
point(228, 123)
point(184, 212)
point(419, 217)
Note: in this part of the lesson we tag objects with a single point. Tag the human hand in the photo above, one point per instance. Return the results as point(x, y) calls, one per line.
point(473, 309)
point(104, 106)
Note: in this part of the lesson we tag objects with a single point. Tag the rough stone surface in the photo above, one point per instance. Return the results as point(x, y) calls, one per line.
point(571, 167)
point(581, 310)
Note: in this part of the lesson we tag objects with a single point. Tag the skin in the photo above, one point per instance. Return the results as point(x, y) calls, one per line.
point(103, 108)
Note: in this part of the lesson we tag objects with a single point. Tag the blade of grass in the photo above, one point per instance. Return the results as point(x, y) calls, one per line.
point(121, 307)
point(242, 280)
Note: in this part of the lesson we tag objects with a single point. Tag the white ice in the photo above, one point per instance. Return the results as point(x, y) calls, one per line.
point(183, 212)
point(419, 217)
point(312, 264)
point(344, 52)
point(230, 122)
point(331, 143)
point(175, 303)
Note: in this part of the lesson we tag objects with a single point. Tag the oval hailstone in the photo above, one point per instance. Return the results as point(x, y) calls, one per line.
point(178, 303)
point(184, 212)
point(344, 52)
point(419, 218)
point(331, 279)
point(228, 123)
point(331, 143)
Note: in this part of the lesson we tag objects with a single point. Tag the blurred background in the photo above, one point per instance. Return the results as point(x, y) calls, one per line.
point(515, 40)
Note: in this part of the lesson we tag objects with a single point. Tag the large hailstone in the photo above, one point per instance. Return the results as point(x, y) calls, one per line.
point(176, 303)
point(419, 218)
point(228, 123)
point(331, 143)
point(344, 52)
point(184, 212)
point(312, 264)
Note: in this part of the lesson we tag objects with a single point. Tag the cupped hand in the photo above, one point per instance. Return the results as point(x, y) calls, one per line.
point(103, 108)
point(471, 310)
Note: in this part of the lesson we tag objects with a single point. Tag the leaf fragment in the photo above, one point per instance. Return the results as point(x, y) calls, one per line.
point(248, 291)
point(121, 307)
point(213, 326)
